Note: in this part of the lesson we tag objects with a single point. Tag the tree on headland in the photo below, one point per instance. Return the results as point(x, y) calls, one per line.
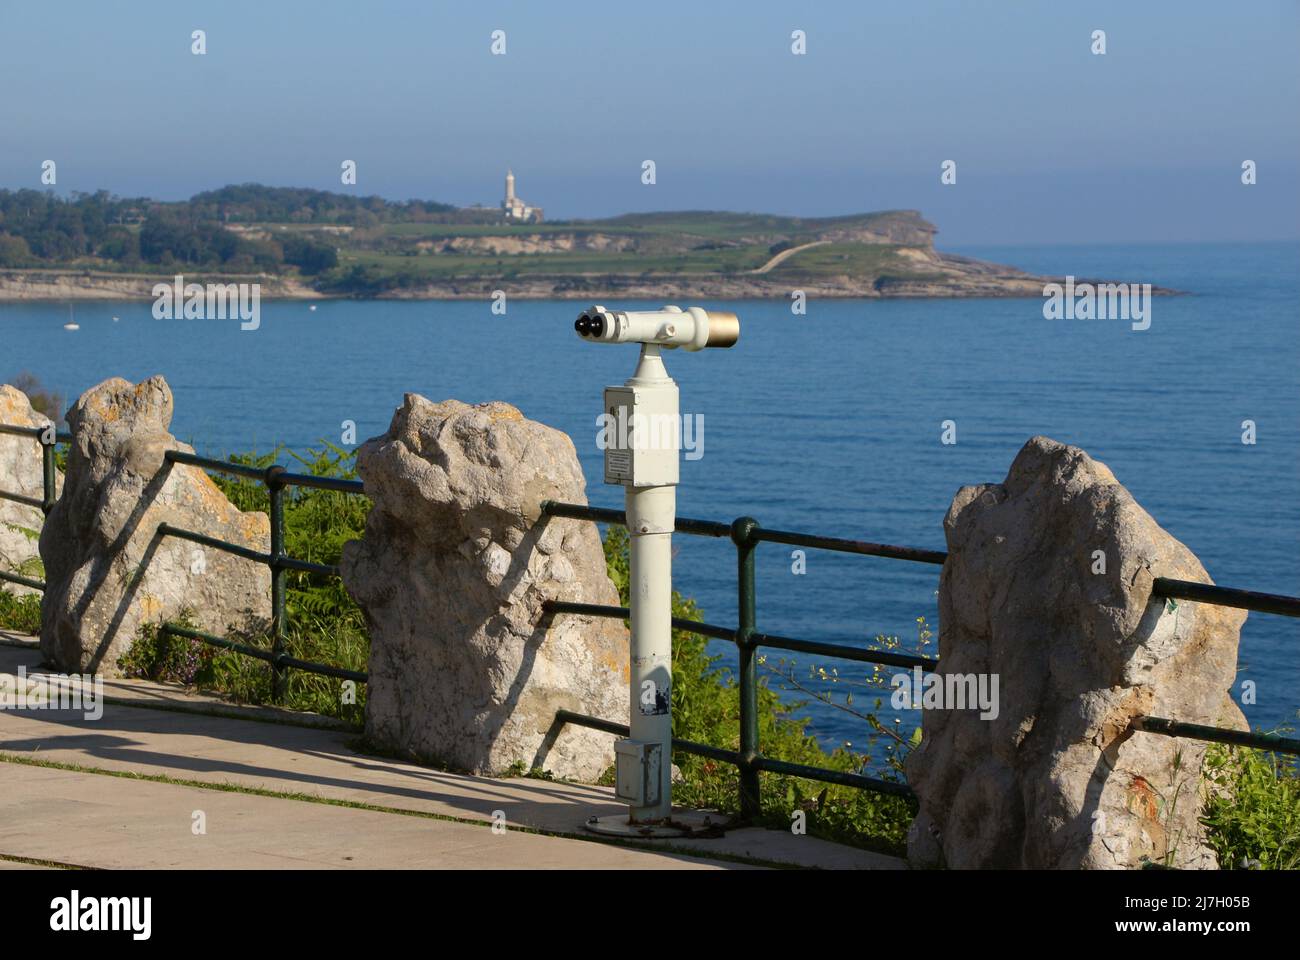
point(14, 251)
point(39, 229)
point(51, 403)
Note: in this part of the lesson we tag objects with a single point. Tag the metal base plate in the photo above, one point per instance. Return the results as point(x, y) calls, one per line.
point(701, 824)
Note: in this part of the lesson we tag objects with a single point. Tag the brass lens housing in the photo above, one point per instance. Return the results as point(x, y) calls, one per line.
point(724, 329)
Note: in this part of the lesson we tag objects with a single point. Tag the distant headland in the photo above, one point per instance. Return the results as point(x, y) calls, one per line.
point(314, 244)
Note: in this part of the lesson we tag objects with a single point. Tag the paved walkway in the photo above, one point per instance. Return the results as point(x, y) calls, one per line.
point(410, 816)
point(92, 820)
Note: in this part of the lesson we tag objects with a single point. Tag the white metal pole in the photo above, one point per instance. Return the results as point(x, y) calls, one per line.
point(651, 513)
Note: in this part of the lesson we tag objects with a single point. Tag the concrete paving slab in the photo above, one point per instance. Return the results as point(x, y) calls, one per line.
point(187, 741)
point(110, 822)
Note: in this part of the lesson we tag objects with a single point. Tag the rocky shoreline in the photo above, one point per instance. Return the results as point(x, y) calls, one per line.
point(938, 275)
point(61, 286)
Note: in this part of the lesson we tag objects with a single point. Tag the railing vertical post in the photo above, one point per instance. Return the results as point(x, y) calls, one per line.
point(47, 440)
point(275, 488)
point(742, 535)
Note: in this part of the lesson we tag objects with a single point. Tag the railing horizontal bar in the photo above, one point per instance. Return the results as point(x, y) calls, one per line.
point(763, 763)
point(283, 478)
point(704, 629)
point(587, 609)
point(1227, 596)
point(34, 432)
point(244, 648)
point(863, 547)
point(845, 652)
point(834, 776)
point(167, 530)
point(221, 466)
point(621, 730)
point(25, 581)
point(577, 511)
point(324, 669)
point(707, 750)
point(19, 498)
point(595, 723)
point(266, 655)
point(289, 563)
point(760, 639)
point(306, 566)
point(1195, 731)
point(711, 528)
point(320, 483)
point(622, 613)
point(702, 528)
point(16, 431)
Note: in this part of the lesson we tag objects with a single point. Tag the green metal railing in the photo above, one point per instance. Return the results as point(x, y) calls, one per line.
point(49, 439)
point(744, 532)
point(747, 534)
point(276, 480)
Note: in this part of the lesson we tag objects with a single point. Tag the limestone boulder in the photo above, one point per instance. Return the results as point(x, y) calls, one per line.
point(21, 472)
point(452, 573)
point(108, 571)
point(1048, 585)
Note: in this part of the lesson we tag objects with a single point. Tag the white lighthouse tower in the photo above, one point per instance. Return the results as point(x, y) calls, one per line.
point(516, 209)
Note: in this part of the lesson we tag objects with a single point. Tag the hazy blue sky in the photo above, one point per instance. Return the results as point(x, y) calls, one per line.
point(1053, 144)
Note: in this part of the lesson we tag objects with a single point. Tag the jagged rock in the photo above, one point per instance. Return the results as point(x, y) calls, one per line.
point(107, 570)
point(20, 472)
point(452, 574)
point(1058, 778)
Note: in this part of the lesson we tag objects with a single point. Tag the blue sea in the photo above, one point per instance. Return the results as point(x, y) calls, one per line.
point(828, 422)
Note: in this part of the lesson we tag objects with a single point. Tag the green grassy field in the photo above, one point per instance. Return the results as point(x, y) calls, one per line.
point(446, 266)
point(846, 259)
point(688, 244)
point(415, 255)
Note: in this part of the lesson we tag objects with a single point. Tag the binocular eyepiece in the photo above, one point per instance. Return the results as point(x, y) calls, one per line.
point(692, 329)
point(587, 325)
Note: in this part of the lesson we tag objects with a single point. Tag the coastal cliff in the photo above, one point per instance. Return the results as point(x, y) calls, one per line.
point(688, 254)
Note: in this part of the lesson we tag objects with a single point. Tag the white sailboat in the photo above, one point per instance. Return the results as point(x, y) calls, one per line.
point(72, 321)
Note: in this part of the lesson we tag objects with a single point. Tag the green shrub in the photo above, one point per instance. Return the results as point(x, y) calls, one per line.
point(323, 623)
point(21, 614)
point(159, 656)
point(1253, 812)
